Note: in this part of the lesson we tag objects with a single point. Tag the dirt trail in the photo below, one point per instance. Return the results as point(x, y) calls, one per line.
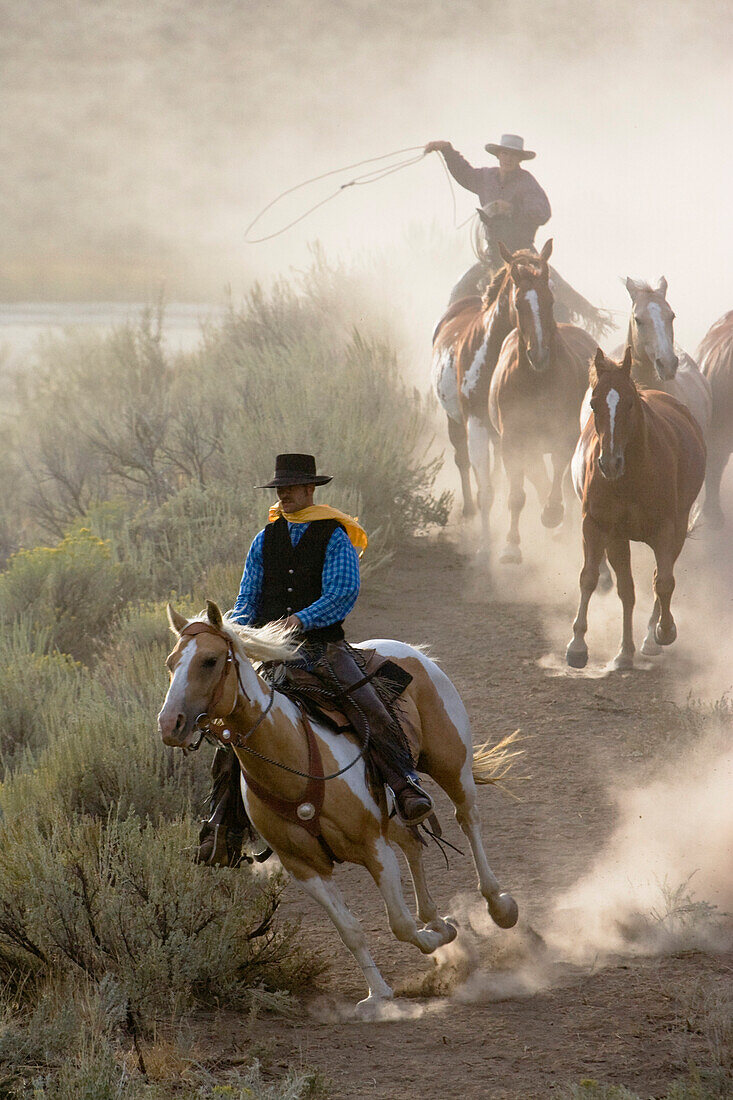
point(561, 1023)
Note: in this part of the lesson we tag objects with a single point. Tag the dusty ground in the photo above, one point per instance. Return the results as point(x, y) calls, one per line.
point(527, 1022)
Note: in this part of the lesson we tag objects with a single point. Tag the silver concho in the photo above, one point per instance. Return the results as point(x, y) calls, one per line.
point(306, 811)
point(225, 735)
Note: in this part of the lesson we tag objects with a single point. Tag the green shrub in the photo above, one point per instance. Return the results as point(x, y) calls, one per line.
point(70, 591)
point(34, 681)
point(123, 900)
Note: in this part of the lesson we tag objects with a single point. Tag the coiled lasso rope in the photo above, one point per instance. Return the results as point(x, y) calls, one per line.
point(370, 176)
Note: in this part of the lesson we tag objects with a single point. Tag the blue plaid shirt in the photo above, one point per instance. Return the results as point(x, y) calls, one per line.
point(339, 581)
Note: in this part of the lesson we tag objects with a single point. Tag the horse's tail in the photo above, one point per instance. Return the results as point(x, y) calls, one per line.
point(493, 764)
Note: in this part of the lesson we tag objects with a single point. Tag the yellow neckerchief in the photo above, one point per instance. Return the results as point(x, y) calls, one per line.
point(354, 530)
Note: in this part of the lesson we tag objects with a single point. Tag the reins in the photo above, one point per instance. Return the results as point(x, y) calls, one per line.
point(237, 741)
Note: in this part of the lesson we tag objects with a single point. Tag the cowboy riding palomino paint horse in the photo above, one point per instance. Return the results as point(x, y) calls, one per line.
point(535, 395)
point(300, 789)
point(656, 362)
point(466, 345)
point(715, 356)
point(638, 466)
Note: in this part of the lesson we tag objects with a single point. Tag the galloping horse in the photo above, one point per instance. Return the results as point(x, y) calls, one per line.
point(715, 356)
point(535, 395)
point(639, 465)
point(466, 345)
point(299, 789)
point(656, 362)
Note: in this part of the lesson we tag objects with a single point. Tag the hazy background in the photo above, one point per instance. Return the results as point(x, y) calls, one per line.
point(138, 140)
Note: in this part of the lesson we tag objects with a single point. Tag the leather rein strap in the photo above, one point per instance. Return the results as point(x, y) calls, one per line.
point(310, 803)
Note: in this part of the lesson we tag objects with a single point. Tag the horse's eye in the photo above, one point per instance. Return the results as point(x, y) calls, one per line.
point(208, 662)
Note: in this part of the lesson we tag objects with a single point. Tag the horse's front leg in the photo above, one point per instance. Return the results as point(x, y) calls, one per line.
point(458, 437)
point(385, 870)
point(576, 654)
point(514, 467)
point(479, 453)
point(327, 893)
point(716, 462)
point(619, 557)
point(650, 647)
point(666, 551)
point(427, 910)
point(554, 510)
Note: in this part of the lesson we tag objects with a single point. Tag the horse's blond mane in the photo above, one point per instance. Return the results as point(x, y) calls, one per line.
point(273, 642)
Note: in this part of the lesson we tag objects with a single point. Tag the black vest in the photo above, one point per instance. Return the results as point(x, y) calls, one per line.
point(293, 574)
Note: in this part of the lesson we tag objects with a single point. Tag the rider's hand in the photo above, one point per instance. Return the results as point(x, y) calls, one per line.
point(438, 147)
point(293, 623)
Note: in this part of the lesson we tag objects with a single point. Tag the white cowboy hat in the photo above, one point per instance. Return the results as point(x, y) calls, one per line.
point(511, 143)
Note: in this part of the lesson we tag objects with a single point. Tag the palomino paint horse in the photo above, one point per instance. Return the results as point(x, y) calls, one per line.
point(309, 822)
point(715, 356)
point(535, 395)
point(466, 346)
point(656, 362)
point(639, 465)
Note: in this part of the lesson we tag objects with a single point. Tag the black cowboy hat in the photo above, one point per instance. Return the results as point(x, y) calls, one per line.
point(295, 470)
point(511, 143)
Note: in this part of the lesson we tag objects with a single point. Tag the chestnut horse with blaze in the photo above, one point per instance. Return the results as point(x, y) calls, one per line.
point(639, 465)
point(466, 345)
point(535, 395)
point(305, 786)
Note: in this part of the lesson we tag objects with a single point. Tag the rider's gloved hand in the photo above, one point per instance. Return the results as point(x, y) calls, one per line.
point(438, 147)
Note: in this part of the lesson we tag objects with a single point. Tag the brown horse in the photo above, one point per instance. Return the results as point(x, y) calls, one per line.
point(656, 361)
point(715, 356)
point(535, 395)
point(305, 787)
point(466, 345)
point(640, 461)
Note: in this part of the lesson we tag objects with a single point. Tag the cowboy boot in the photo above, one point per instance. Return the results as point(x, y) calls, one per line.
point(222, 833)
point(367, 714)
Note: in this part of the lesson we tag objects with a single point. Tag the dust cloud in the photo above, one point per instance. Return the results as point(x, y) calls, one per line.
point(140, 140)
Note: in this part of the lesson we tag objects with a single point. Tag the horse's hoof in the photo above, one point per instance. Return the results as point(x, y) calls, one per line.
point(650, 648)
point(623, 662)
point(552, 515)
point(576, 658)
point(511, 555)
point(446, 928)
point(665, 637)
point(504, 911)
point(371, 1006)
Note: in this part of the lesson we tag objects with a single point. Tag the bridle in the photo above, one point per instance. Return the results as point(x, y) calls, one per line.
point(225, 736)
point(202, 724)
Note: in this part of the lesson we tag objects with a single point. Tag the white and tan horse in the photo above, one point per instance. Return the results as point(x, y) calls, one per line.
point(657, 362)
point(309, 822)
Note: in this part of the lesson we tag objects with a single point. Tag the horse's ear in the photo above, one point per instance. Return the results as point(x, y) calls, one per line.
point(482, 215)
point(176, 621)
point(504, 252)
point(214, 614)
point(599, 362)
point(662, 287)
point(626, 365)
point(633, 287)
point(546, 250)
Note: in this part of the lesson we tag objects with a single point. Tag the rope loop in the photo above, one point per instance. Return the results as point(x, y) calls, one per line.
point(372, 175)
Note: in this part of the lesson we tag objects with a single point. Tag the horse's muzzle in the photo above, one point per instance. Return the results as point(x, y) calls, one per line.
point(611, 466)
point(177, 732)
point(666, 368)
